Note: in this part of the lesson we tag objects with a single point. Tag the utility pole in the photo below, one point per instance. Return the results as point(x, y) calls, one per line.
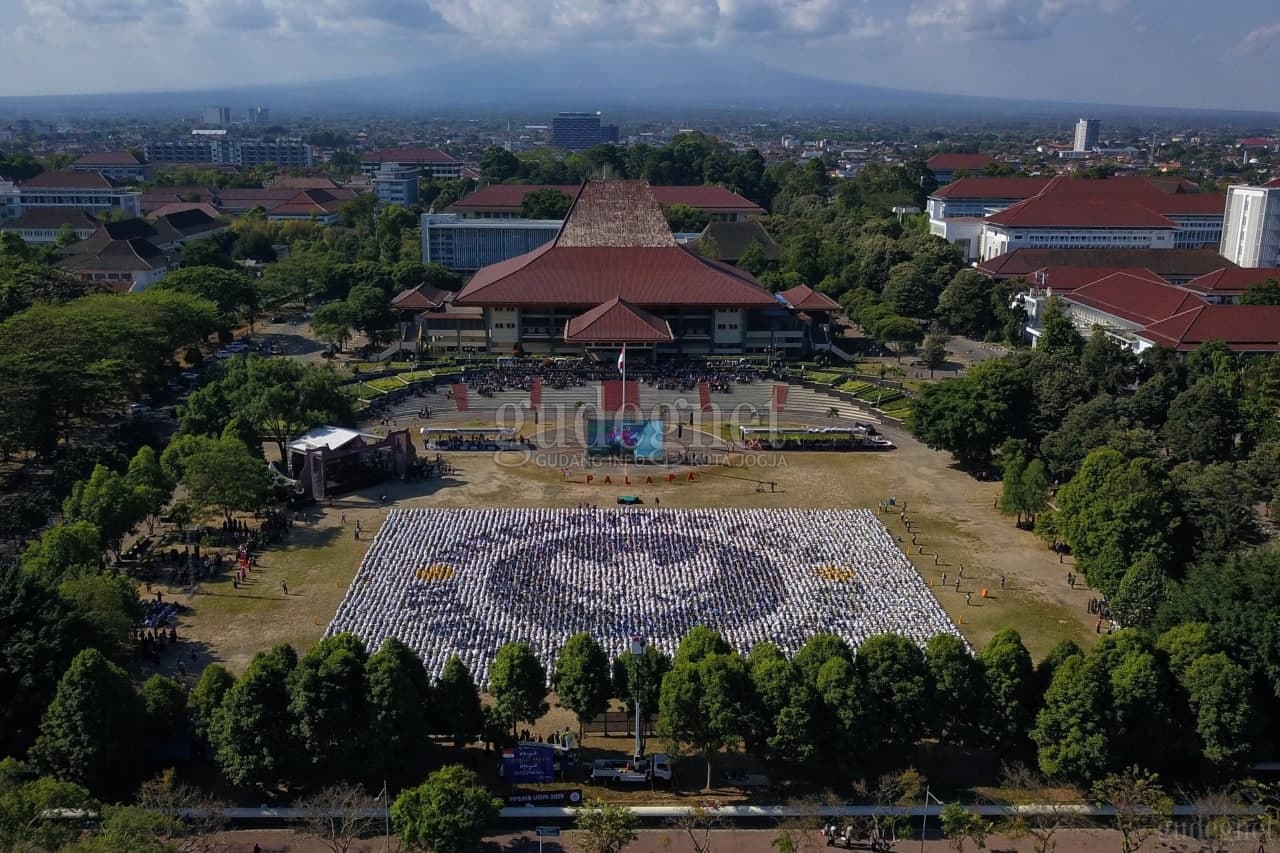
point(924, 816)
point(637, 652)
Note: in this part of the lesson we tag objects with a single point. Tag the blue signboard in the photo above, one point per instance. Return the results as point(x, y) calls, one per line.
point(529, 764)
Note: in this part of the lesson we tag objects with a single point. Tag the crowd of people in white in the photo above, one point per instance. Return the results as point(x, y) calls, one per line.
point(466, 582)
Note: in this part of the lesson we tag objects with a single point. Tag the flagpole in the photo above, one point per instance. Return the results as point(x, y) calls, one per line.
point(623, 358)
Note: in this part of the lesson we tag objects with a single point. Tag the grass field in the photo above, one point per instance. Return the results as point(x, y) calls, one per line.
point(951, 514)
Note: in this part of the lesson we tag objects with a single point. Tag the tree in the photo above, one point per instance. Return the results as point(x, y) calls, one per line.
point(369, 307)
point(956, 677)
point(132, 829)
point(498, 164)
point(108, 609)
point(1141, 806)
point(964, 306)
point(90, 732)
point(253, 731)
point(1203, 424)
point(1219, 694)
point(24, 799)
point(701, 704)
point(899, 333)
point(401, 708)
point(459, 713)
point(106, 502)
point(1069, 727)
point(1013, 463)
point(1009, 690)
point(1263, 293)
point(816, 651)
point(700, 642)
point(582, 678)
point(206, 699)
point(164, 702)
point(1109, 365)
point(332, 324)
point(227, 477)
point(640, 677)
point(1058, 334)
point(151, 487)
point(65, 551)
point(907, 293)
point(329, 692)
point(518, 684)
point(896, 694)
point(196, 816)
point(229, 289)
point(935, 351)
point(446, 814)
point(961, 825)
point(754, 258)
point(339, 815)
point(40, 633)
point(549, 203)
point(685, 219)
point(604, 827)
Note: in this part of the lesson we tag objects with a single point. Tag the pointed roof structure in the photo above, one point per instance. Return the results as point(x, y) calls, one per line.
point(617, 321)
point(802, 297)
point(615, 242)
point(424, 297)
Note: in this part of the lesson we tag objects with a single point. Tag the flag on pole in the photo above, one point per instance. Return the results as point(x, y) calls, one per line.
point(622, 359)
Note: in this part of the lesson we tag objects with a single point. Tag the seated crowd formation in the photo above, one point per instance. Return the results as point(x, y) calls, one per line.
point(466, 582)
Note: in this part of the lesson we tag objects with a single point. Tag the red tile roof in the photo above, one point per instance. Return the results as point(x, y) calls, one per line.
point(1232, 280)
point(507, 198)
point(617, 321)
point(1136, 299)
point(952, 162)
point(1274, 183)
point(804, 297)
point(420, 298)
point(1064, 279)
point(70, 180)
point(50, 218)
point(312, 202)
point(109, 158)
point(993, 188)
point(408, 154)
point(1245, 328)
point(1167, 263)
point(614, 243)
point(1126, 202)
point(1199, 204)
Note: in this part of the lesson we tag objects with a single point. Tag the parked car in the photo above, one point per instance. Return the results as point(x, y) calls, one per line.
point(136, 409)
point(190, 376)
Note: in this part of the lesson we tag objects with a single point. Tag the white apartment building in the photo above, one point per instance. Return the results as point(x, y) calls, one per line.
point(90, 192)
point(1088, 131)
point(1251, 227)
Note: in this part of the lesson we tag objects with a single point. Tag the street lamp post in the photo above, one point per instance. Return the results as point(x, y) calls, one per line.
point(637, 652)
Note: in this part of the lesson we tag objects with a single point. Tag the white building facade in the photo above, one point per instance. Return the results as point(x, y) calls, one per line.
point(1251, 230)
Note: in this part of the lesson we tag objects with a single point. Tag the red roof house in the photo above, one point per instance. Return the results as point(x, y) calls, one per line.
point(1135, 299)
point(1244, 328)
point(617, 321)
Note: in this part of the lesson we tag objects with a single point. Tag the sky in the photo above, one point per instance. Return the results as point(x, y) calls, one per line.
point(1192, 53)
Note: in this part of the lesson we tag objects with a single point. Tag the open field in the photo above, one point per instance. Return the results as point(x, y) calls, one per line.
point(951, 513)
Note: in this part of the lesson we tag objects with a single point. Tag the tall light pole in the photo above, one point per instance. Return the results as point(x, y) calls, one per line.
point(637, 652)
point(386, 813)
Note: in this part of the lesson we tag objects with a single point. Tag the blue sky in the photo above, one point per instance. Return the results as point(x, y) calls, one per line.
point(1162, 52)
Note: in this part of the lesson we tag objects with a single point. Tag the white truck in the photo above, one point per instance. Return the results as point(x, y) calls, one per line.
point(651, 768)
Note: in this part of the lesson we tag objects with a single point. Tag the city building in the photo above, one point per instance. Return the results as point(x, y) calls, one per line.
point(130, 255)
point(90, 192)
point(580, 131)
point(505, 201)
point(216, 116)
point(120, 165)
point(944, 166)
point(1115, 213)
point(1226, 286)
point(1088, 131)
point(957, 210)
point(258, 115)
point(394, 184)
point(1142, 312)
point(1251, 231)
point(614, 258)
point(428, 162)
point(46, 224)
point(202, 149)
point(1176, 266)
point(467, 245)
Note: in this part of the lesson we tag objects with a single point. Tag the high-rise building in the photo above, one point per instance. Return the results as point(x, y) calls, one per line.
point(217, 116)
point(580, 131)
point(1251, 227)
point(1087, 131)
point(258, 115)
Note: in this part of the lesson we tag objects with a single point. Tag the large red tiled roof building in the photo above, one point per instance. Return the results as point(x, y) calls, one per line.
point(614, 273)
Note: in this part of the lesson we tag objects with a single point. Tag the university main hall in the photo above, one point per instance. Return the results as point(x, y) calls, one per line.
point(613, 275)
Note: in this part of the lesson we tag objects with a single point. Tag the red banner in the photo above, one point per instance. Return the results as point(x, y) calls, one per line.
point(779, 400)
point(704, 396)
point(535, 393)
point(459, 395)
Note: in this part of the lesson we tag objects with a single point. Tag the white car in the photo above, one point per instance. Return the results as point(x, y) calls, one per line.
point(138, 409)
point(237, 346)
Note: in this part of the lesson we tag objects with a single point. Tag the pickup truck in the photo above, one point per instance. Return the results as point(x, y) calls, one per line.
point(653, 768)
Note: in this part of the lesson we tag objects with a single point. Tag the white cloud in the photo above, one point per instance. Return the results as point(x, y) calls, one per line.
point(1260, 39)
point(1002, 19)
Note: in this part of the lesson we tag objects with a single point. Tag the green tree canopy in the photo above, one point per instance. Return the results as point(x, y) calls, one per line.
point(518, 684)
point(402, 710)
point(65, 551)
point(582, 678)
point(227, 477)
point(253, 731)
point(703, 703)
point(329, 707)
point(446, 814)
point(546, 203)
point(107, 502)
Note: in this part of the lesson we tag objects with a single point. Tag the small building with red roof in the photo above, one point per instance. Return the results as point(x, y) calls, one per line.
point(944, 166)
point(614, 267)
point(429, 162)
point(1243, 328)
point(120, 165)
point(1226, 286)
